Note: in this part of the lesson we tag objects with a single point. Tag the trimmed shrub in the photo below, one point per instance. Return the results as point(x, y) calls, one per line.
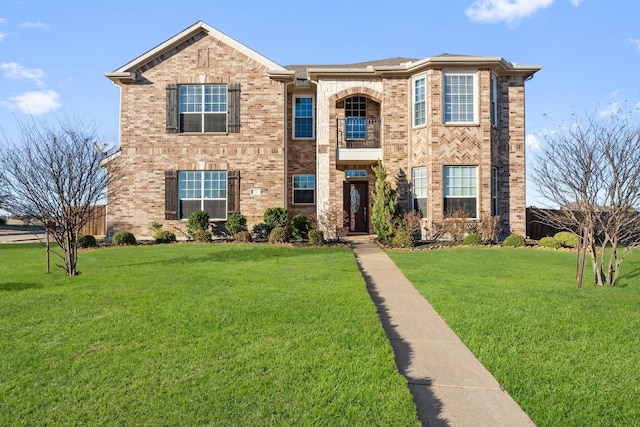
point(549, 242)
point(402, 239)
point(567, 238)
point(87, 241)
point(202, 236)
point(260, 231)
point(300, 226)
point(198, 221)
point(122, 238)
point(164, 236)
point(278, 235)
point(236, 223)
point(274, 217)
point(514, 240)
point(243, 236)
point(472, 239)
point(3, 221)
point(316, 237)
point(160, 235)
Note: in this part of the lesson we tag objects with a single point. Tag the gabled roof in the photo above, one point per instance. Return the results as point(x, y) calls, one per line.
point(127, 72)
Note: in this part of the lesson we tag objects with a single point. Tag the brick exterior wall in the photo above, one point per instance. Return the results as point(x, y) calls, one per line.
point(267, 156)
point(148, 150)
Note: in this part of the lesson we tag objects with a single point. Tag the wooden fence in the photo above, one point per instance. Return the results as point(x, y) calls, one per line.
point(536, 228)
point(97, 225)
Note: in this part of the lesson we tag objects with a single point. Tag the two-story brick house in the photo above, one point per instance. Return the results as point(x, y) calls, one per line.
point(207, 123)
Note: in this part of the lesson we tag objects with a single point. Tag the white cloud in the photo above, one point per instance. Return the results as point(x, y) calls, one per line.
point(36, 103)
point(636, 42)
point(40, 25)
point(13, 70)
point(612, 109)
point(492, 11)
point(532, 141)
point(612, 105)
point(2, 36)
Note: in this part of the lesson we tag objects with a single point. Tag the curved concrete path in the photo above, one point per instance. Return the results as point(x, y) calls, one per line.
point(450, 386)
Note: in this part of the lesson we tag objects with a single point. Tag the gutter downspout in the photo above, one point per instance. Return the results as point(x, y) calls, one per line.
point(286, 139)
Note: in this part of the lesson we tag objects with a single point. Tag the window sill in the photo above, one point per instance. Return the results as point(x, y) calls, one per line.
point(202, 133)
point(469, 125)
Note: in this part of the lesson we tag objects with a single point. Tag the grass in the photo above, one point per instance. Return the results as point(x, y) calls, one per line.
point(194, 334)
point(568, 357)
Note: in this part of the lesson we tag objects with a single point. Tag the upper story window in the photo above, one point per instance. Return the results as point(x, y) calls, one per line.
point(461, 190)
point(203, 108)
point(303, 117)
point(459, 98)
point(355, 111)
point(494, 100)
point(419, 101)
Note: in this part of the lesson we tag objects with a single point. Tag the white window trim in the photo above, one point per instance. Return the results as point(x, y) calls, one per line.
point(413, 100)
point(413, 188)
point(313, 117)
point(475, 95)
point(476, 197)
point(202, 198)
point(494, 100)
point(293, 189)
point(202, 102)
point(495, 195)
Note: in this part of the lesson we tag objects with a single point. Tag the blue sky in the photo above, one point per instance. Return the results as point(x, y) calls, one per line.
point(53, 57)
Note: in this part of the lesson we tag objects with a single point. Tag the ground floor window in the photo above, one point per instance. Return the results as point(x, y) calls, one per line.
point(419, 190)
point(304, 188)
point(202, 190)
point(494, 192)
point(461, 190)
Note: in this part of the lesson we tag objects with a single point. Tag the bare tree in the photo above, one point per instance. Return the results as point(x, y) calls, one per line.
point(53, 173)
point(332, 222)
point(591, 170)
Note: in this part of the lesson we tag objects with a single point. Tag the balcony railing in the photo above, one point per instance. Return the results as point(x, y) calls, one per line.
point(358, 132)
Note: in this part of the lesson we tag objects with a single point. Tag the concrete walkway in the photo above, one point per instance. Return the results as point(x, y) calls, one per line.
point(450, 386)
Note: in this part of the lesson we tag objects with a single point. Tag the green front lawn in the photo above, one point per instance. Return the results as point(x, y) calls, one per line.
point(568, 357)
point(194, 334)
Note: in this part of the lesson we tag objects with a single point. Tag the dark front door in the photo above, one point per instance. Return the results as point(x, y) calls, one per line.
point(356, 202)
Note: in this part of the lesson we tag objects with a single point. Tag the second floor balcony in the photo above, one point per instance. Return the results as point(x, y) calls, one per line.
point(358, 139)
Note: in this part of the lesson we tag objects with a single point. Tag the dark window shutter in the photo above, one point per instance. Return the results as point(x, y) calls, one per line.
point(170, 195)
point(234, 107)
point(172, 108)
point(233, 192)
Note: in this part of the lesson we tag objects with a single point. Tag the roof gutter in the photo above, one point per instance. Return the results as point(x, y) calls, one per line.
point(121, 77)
